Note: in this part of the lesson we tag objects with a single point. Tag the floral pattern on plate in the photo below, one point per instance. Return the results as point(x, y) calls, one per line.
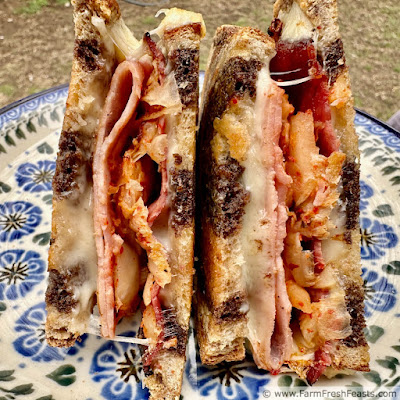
point(35, 177)
point(30, 337)
point(20, 271)
point(116, 366)
point(17, 219)
point(95, 368)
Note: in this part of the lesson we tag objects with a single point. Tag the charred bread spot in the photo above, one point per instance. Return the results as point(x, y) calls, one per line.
point(59, 293)
point(186, 69)
point(70, 161)
point(228, 197)
point(347, 237)
point(230, 309)
point(177, 159)
point(275, 29)
point(334, 59)
point(87, 53)
point(355, 307)
point(351, 193)
point(173, 330)
point(182, 184)
point(239, 76)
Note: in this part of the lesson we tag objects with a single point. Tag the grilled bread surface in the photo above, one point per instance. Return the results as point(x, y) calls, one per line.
point(72, 255)
point(236, 58)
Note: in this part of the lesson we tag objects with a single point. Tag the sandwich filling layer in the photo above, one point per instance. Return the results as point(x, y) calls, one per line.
point(143, 187)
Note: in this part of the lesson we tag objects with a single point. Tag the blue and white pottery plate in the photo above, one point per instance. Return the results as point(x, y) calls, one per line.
point(100, 369)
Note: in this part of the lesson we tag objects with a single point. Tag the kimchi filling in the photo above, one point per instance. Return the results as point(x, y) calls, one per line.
point(131, 195)
point(314, 162)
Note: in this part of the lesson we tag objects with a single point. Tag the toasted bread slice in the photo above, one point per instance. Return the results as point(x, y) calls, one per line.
point(235, 61)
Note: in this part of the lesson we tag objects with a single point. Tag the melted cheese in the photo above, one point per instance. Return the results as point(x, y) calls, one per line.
point(256, 227)
point(296, 25)
point(76, 247)
point(119, 35)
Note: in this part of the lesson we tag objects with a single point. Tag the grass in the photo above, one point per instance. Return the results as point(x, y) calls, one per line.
point(150, 20)
point(35, 89)
point(242, 22)
point(34, 6)
point(7, 89)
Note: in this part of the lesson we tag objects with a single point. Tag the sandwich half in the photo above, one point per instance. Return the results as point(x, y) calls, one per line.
point(123, 204)
point(279, 220)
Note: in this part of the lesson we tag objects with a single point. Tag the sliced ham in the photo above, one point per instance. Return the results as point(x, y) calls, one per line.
point(118, 113)
point(158, 206)
point(270, 308)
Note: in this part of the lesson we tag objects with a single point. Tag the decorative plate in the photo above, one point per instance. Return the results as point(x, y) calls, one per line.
point(96, 368)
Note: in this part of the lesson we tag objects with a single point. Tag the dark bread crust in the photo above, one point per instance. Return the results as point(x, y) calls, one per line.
point(186, 62)
point(351, 193)
point(231, 309)
point(182, 186)
point(73, 156)
point(335, 61)
point(355, 307)
point(87, 52)
point(59, 293)
point(226, 197)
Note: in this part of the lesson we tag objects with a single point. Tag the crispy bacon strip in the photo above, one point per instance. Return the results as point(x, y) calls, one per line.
point(299, 59)
point(322, 360)
point(119, 110)
point(158, 56)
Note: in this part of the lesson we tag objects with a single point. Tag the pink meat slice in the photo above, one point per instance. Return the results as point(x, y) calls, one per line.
point(273, 340)
point(115, 125)
point(156, 208)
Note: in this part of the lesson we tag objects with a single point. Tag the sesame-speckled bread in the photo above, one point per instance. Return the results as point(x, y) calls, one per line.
point(278, 242)
point(162, 129)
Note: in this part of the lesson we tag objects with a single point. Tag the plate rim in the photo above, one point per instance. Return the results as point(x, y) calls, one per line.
point(33, 96)
point(66, 85)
